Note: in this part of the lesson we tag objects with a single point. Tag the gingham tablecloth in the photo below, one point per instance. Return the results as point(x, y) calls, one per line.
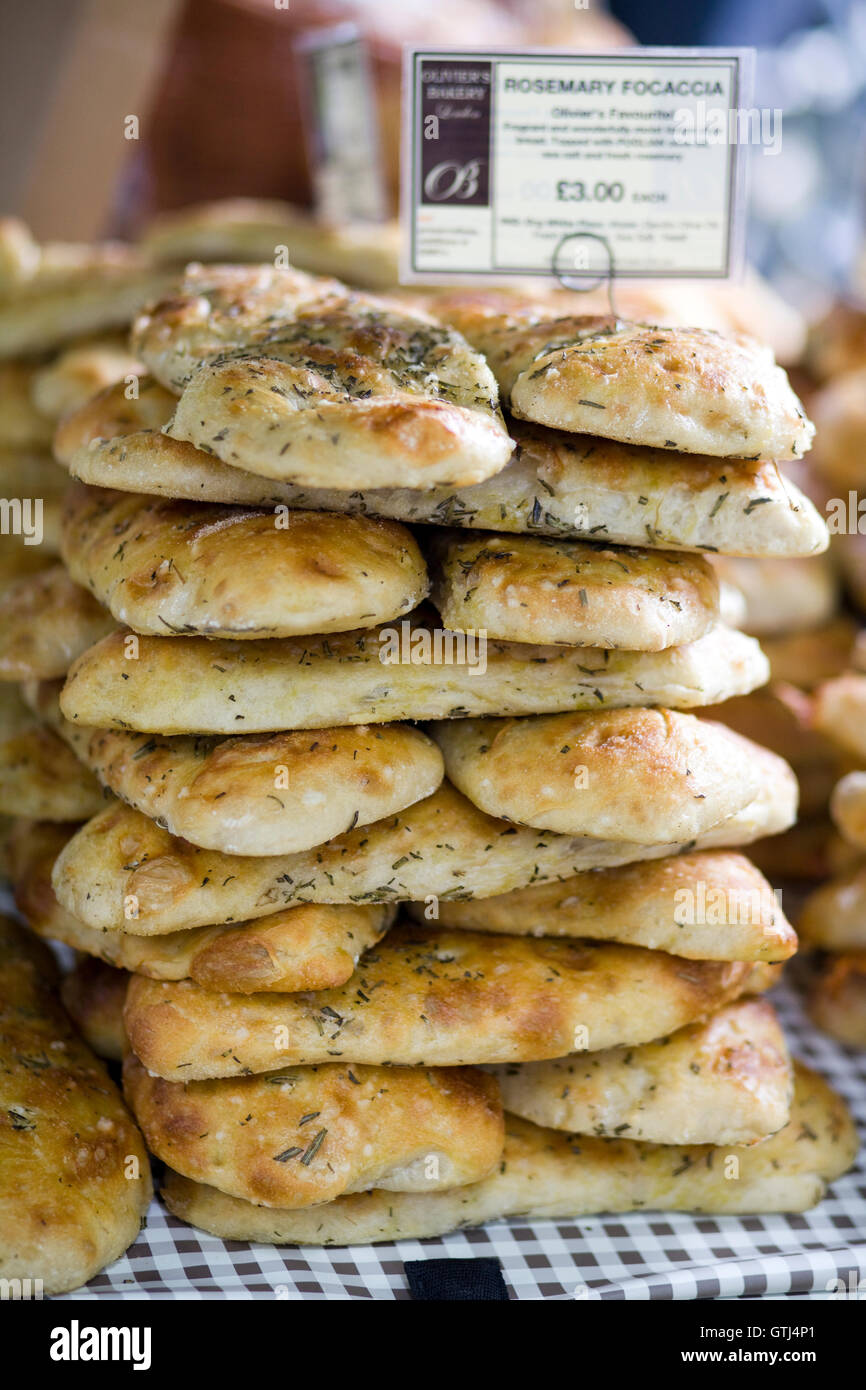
point(640, 1256)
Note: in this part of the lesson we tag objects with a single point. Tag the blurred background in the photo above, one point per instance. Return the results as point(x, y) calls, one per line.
point(219, 92)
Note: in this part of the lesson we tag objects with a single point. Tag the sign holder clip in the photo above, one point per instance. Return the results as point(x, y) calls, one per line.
point(608, 275)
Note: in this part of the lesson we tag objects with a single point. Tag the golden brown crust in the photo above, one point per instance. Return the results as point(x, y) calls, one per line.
point(112, 415)
point(306, 1135)
point(46, 621)
point(837, 998)
point(840, 418)
point(53, 293)
point(268, 794)
point(707, 905)
point(302, 379)
point(93, 994)
point(688, 389)
point(548, 1175)
point(174, 567)
point(833, 917)
point(333, 416)
point(751, 306)
point(534, 590)
point(411, 669)
point(40, 778)
point(559, 485)
point(434, 998)
point(76, 374)
point(115, 442)
point(725, 1081)
point(640, 775)
point(76, 1177)
point(311, 946)
point(840, 712)
point(213, 309)
point(122, 872)
point(848, 807)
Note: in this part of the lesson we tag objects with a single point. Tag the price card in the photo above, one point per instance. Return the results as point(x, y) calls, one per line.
point(505, 154)
point(341, 125)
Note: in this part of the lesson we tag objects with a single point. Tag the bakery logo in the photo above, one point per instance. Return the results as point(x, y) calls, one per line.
point(847, 516)
point(452, 181)
point(421, 646)
point(16, 1290)
point(455, 133)
point(720, 125)
point(706, 906)
point(22, 516)
point(77, 1343)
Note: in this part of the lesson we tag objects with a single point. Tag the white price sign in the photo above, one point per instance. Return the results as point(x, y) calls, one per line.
point(505, 154)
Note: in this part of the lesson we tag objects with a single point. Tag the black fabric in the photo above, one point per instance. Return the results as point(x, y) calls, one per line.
point(451, 1281)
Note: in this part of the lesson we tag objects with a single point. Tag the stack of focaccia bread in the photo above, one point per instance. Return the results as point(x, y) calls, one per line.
point(419, 878)
point(791, 606)
point(833, 920)
point(74, 1173)
point(64, 317)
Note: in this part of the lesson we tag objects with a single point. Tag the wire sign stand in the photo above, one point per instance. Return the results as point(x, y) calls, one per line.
point(608, 274)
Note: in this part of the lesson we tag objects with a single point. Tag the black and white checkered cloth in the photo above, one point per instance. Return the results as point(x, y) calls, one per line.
point(638, 1256)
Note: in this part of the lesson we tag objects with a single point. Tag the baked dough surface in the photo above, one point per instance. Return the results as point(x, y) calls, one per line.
point(122, 872)
point(305, 1135)
point(529, 589)
point(556, 484)
point(309, 946)
point(46, 621)
point(704, 905)
point(267, 794)
point(426, 997)
point(724, 1081)
point(168, 567)
point(688, 389)
point(302, 379)
point(406, 669)
point(547, 1175)
point(641, 775)
point(69, 1203)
